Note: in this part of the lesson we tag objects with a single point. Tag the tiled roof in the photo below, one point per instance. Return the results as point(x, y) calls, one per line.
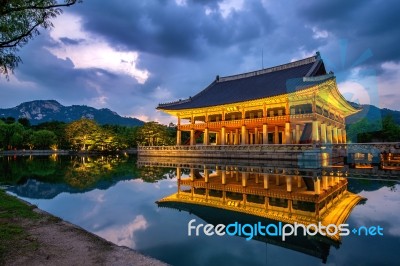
point(264, 83)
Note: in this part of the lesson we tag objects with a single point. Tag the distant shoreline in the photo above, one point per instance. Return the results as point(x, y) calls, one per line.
point(63, 152)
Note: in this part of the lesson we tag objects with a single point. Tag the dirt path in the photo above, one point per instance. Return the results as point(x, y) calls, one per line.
point(51, 241)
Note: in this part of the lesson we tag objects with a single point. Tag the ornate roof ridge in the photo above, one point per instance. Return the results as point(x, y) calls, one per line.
point(301, 62)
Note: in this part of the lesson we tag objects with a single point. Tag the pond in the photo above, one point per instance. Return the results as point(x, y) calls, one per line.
point(125, 203)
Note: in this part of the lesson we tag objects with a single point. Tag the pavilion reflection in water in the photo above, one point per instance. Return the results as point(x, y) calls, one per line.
point(226, 193)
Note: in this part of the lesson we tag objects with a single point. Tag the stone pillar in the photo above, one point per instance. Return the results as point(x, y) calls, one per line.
point(315, 133)
point(299, 183)
point(266, 179)
point(178, 137)
point(277, 180)
point(245, 176)
point(287, 133)
point(218, 138)
point(339, 133)
point(206, 174)
point(288, 183)
point(206, 140)
point(329, 134)
point(298, 134)
point(335, 137)
point(191, 174)
point(265, 134)
point(324, 182)
point(323, 133)
point(223, 135)
point(178, 173)
point(344, 136)
point(256, 136)
point(317, 186)
point(192, 140)
point(331, 181)
point(236, 141)
point(276, 135)
point(293, 136)
point(244, 133)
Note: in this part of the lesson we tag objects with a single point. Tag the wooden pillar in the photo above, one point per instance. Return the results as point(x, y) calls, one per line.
point(277, 180)
point(323, 133)
point(223, 177)
point(236, 140)
point(178, 173)
point(231, 137)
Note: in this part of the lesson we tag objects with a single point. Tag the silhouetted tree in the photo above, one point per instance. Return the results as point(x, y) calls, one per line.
point(19, 22)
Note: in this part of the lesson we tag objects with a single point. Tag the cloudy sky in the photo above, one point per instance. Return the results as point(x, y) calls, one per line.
point(131, 55)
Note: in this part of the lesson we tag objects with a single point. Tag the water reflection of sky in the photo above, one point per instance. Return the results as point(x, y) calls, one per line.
point(126, 214)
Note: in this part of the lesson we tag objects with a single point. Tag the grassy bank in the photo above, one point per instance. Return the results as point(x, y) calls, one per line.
point(13, 237)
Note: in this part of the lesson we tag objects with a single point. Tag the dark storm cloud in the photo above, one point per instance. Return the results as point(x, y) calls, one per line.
point(183, 47)
point(69, 41)
point(372, 24)
point(166, 29)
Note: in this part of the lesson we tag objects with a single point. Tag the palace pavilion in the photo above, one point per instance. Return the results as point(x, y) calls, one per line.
point(294, 103)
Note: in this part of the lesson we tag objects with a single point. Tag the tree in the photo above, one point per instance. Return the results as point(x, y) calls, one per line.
point(25, 122)
point(152, 133)
point(19, 22)
point(82, 133)
point(43, 139)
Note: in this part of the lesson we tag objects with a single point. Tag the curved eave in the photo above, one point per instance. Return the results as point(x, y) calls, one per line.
point(333, 97)
point(305, 90)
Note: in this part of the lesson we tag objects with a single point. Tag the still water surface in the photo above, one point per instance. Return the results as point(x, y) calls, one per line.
point(115, 199)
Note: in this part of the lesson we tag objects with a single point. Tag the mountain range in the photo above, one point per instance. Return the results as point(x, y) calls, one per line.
point(372, 113)
point(41, 111)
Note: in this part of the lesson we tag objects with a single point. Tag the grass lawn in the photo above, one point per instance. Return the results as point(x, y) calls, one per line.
point(13, 237)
